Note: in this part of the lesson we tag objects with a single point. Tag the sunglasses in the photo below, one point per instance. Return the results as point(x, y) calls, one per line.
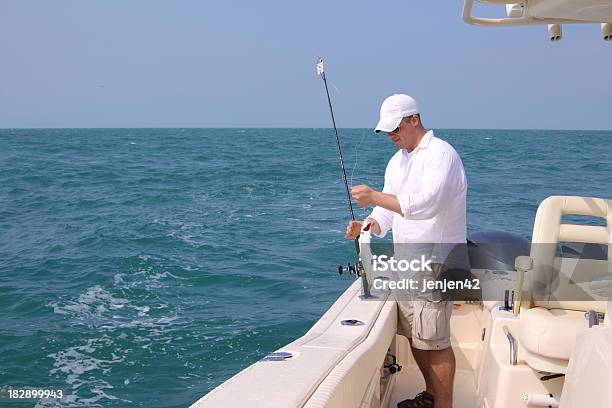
point(397, 129)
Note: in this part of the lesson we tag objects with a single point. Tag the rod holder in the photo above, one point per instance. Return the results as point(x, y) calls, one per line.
point(593, 317)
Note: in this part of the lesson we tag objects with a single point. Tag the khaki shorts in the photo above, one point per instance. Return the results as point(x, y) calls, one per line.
point(426, 323)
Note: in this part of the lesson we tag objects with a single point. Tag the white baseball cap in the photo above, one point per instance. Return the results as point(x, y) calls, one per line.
point(393, 109)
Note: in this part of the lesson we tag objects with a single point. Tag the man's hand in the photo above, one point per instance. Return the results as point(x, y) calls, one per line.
point(363, 195)
point(354, 228)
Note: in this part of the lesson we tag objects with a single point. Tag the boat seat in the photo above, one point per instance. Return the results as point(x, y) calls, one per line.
point(548, 336)
point(550, 323)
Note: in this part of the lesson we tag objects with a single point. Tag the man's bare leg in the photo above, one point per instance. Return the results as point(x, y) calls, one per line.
point(422, 360)
point(442, 376)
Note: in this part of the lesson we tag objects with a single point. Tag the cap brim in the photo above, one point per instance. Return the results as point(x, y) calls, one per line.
point(387, 124)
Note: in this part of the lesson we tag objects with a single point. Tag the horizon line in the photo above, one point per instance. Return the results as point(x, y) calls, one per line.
point(280, 127)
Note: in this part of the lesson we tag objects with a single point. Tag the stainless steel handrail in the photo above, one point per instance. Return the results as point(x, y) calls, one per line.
point(513, 349)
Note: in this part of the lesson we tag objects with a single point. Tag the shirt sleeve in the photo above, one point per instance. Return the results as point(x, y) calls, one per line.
point(442, 176)
point(383, 216)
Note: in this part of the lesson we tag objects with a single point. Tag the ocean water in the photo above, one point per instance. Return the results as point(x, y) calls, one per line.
point(143, 267)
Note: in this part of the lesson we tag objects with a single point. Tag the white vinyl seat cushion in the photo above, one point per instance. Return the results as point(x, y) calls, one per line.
point(551, 333)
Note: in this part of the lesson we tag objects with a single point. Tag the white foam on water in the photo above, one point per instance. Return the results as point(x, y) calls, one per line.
point(90, 305)
point(83, 371)
point(113, 312)
point(101, 309)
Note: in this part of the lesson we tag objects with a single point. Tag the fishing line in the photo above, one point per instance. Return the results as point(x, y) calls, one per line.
point(335, 87)
point(357, 146)
point(356, 158)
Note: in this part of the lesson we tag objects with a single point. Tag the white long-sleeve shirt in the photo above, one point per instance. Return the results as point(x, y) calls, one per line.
point(431, 187)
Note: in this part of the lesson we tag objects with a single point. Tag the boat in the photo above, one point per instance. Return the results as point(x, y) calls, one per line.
point(541, 338)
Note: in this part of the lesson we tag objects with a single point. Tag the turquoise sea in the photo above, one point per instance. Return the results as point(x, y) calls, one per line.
point(143, 267)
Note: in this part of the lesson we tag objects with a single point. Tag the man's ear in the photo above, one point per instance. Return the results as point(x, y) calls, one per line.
point(415, 120)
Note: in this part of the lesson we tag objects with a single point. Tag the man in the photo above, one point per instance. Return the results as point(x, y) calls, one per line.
point(423, 202)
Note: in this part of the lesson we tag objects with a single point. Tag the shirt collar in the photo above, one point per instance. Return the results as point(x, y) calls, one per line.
point(422, 144)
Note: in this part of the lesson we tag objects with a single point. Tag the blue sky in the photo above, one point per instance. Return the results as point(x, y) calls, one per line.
point(252, 64)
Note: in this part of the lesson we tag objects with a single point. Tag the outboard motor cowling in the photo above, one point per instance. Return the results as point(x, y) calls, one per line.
point(496, 250)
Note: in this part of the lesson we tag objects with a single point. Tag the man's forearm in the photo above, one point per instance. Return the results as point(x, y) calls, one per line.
point(387, 201)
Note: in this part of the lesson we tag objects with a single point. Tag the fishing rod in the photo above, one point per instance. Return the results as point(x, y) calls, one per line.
point(357, 269)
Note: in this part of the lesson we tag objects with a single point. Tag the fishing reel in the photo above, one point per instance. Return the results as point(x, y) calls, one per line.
point(356, 269)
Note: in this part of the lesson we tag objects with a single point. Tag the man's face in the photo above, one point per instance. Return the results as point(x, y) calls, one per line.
point(406, 136)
